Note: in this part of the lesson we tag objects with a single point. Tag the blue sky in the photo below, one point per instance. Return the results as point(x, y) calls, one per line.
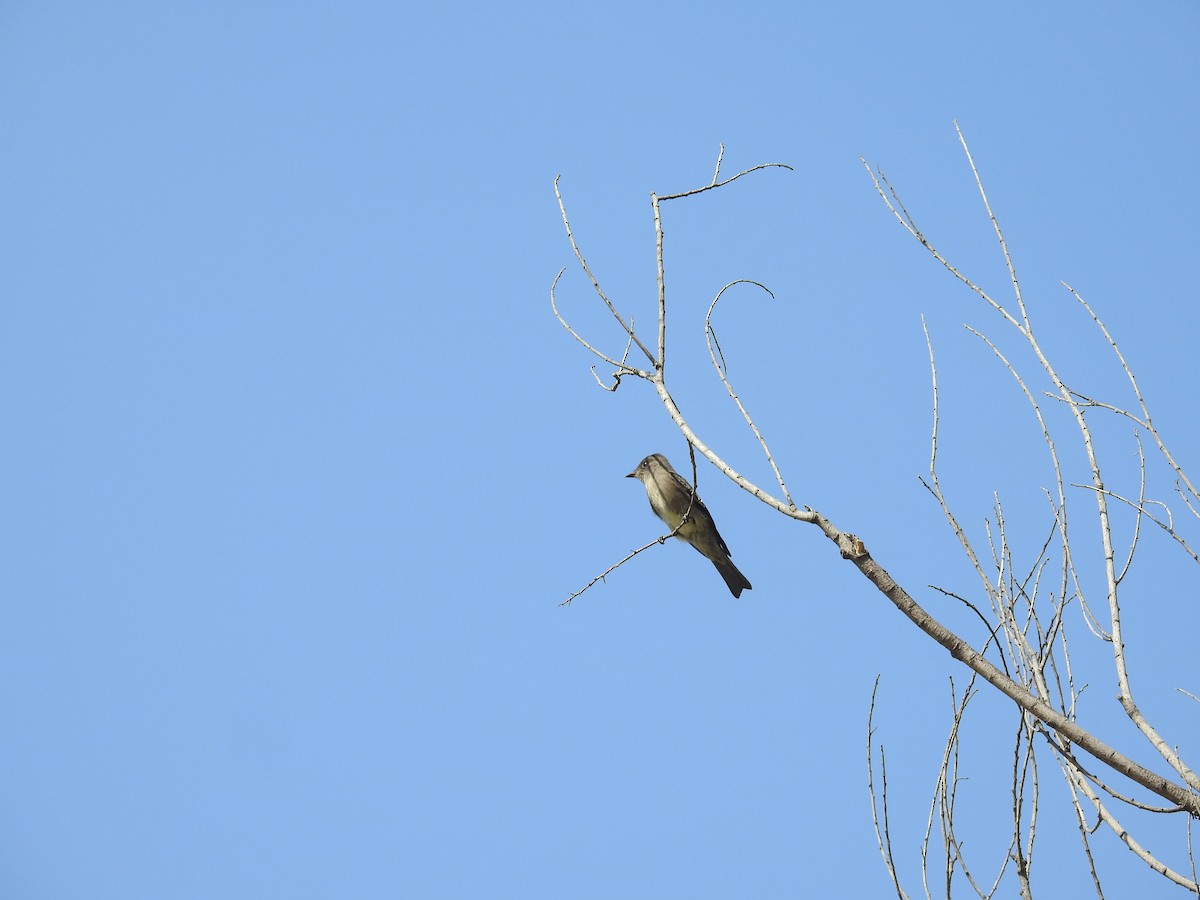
point(298, 464)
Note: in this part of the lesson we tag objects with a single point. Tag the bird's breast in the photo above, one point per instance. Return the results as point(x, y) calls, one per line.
point(659, 504)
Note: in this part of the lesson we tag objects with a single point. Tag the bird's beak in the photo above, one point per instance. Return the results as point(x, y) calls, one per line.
point(631, 475)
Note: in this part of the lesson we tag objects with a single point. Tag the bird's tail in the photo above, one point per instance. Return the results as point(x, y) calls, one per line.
point(733, 577)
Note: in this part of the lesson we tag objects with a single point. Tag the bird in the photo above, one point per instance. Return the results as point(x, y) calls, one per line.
point(671, 497)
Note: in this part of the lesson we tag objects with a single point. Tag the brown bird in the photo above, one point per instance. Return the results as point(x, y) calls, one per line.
point(670, 496)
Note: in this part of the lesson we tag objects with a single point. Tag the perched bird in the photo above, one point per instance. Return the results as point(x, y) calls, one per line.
point(670, 497)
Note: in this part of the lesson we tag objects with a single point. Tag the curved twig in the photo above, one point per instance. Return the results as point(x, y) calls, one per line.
point(710, 336)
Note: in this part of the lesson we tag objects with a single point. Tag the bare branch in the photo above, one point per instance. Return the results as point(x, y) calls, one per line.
point(1027, 594)
point(892, 199)
point(723, 373)
point(613, 567)
point(879, 807)
point(717, 174)
point(1137, 392)
point(934, 486)
point(1123, 834)
point(1024, 328)
point(628, 329)
point(622, 368)
point(1139, 506)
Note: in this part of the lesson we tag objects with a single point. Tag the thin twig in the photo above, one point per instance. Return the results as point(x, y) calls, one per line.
point(723, 373)
point(879, 808)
